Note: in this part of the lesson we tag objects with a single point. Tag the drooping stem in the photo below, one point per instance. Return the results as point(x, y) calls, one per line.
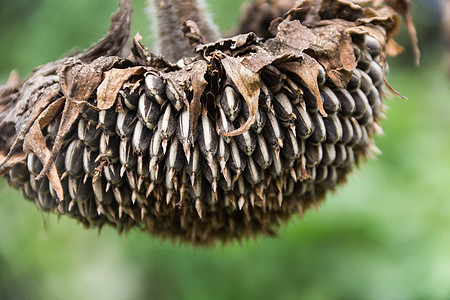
point(170, 15)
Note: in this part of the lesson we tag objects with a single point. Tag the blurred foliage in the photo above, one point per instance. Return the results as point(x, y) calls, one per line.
point(386, 235)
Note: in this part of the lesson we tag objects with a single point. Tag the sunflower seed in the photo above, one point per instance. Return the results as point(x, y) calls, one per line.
point(331, 103)
point(211, 173)
point(310, 100)
point(252, 172)
point(246, 141)
point(241, 191)
point(230, 102)
point(174, 158)
point(349, 158)
point(155, 88)
point(107, 120)
point(265, 96)
point(34, 164)
point(341, 155)
point(313, 154)
point(207, 138)
point(223, 154)
point(283, 107)
point(130, 95)
point(88, 134)
point(365, 61)
point(89, 163)
point(41, 185)
point(347, 130)
point(319, 134)
point(303, 124)
point(155, 149)
point(262, 155)
point(127, 157)
point(366, 83)
point(376, 73)
point(173, 95)
point(331, 177)
point(183, 132)
point(321, 173)
point(273, 78)
point(126, 121)
point(45, 202)
point(273, 132)
point(334, 129)
point(28, 192)
point(148, 111)
point(361, 104)
point(194, 163)
point(348, 106)
point(277, 165)
point(109, 148)
point(101, 195)
point(79, 190)
point(328, 154)
point(357, 132)
point(122, 195)
point(322, 76)
point(355, 81)
point(292, 149)
point(373, 46)
point(89, 115)
point(112, 174)
point(374, 99)
point(166, 126)
point(73, 158)
point(292, 90)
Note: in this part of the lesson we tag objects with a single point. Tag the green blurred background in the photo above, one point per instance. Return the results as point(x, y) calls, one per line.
point(385, 235)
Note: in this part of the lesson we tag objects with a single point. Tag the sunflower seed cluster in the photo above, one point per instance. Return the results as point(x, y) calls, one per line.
point(138, 164)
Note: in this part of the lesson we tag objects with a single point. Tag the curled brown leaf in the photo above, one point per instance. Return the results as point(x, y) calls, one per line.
point(113, 81)
point(307, 69)
point(248, 84)
point(35, 143)
point(15, 159)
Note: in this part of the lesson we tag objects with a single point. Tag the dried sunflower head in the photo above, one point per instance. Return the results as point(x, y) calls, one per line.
point(225, 144)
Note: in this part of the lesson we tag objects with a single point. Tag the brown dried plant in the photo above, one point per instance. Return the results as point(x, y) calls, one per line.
point(225, 144)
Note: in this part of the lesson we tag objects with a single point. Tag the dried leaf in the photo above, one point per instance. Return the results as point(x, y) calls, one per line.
point(227, 44)
point(78, 81)
point(340, 9)
point(380, 36)
point(35, 143)
point(114, 79)
point(199, 84)
point(264, 57)
point(334, 51)
point(307, 11)
point(144, 57)
point(295, 35)
point(394, 49)
point(248, 85)
point(41, 105)
point(307, 69)
point(17, 158)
